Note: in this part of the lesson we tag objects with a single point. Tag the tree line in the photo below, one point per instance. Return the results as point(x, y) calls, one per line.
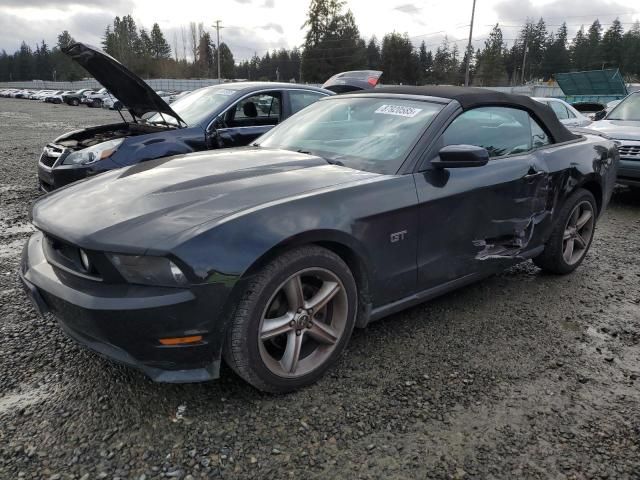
point(333, 44)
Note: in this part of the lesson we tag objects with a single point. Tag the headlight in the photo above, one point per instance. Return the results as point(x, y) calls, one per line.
point(148, 270)
point(93, 154)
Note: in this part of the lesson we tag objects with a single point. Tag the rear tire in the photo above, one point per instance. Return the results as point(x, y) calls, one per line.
point(75, 102)
point(293, 321)
point(571, 236)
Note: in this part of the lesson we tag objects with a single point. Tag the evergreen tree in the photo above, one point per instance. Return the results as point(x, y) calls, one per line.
point(612, 46)
point(160, 49)
point(579, 51)
point(594, 37)
point(227, 64)
point(373, 54)
point(556, 55)
point(205, 59)
point(631, 53)
point(425, 60)
point(332, 42)
point(491, 69)
point(400, 63)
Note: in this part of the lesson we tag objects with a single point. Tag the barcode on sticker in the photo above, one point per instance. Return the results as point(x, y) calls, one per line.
point(398, 110)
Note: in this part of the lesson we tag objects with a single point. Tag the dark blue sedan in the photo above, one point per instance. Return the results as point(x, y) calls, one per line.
point(220, 116)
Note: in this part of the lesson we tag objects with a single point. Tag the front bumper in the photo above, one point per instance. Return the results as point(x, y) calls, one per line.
point(125, 322)
point(59, 175)
point(629, 172)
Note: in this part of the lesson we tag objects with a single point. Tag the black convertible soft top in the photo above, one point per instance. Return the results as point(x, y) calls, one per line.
point(471, 97)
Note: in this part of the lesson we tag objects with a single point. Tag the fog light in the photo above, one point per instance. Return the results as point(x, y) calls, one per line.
point(84, 260)
point(181, 340)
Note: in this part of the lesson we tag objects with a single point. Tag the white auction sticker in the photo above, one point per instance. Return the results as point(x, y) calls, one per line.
point(398, 110)
point(224, 91)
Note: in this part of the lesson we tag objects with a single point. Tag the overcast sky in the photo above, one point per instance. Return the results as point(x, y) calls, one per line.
point(257, 25)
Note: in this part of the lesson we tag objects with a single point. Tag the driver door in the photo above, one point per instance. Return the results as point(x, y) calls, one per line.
point(249, 118)
point(479, 220)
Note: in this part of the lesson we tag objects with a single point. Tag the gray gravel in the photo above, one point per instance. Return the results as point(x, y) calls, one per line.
point(521, 376)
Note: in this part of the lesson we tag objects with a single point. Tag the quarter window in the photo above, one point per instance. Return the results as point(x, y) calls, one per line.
point(300, 99)
point(500, 130)
point(560, 110)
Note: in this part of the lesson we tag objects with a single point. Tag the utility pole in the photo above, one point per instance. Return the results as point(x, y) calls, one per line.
point(466, 72)
point(524, 58)
point(218, 27)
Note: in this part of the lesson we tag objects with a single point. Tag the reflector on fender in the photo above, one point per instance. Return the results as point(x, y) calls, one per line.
point(181, 340)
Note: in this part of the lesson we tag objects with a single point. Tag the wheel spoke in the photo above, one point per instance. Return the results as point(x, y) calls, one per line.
point(272, 327)
point(291, 355)
point(584, 218)
point(574, 217)
point(323, 296)
point(568, 250)
point(293, 291)
point(323, 333)
point(581, 241)
point(568, 233)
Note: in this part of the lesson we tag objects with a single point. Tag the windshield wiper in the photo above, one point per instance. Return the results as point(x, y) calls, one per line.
point(328, 160)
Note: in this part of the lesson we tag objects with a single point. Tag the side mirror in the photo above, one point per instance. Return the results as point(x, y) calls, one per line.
point(600, 115)
point(458, 156)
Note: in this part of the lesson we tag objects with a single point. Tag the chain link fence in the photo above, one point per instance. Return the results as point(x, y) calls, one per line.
point(164, 84)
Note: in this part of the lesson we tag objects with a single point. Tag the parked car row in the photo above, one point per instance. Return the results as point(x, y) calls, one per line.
point(339, 206)
point(95, 98)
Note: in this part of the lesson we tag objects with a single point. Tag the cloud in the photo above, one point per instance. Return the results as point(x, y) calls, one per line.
point(269, 3)
point(409, 9)
point(107, 5)
point(85, 27)
point(273, 26)
point(558, 11)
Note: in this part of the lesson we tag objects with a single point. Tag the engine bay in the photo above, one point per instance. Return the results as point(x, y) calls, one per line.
point(92, 136)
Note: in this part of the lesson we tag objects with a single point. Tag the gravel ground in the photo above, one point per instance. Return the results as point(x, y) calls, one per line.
point(521, 376)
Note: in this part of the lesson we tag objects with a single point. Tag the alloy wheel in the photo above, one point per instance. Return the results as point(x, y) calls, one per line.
point(578, 232)
point(303, 322)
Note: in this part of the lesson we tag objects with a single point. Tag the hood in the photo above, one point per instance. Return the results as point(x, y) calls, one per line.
point(130, 210)
point(618, 129)
point(125, 85)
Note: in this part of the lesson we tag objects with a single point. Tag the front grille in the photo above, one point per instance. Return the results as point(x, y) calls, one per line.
point(629, 151)
point(50, 155)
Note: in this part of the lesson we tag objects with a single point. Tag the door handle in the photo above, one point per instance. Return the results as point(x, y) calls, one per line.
point(534, 175)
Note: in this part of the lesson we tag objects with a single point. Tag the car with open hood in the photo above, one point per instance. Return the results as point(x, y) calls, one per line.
point(226, 115)
point(356, 207)
point(622, 124)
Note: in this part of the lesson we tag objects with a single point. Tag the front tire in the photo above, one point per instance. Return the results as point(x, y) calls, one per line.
point(571, 236)
point(293, 321)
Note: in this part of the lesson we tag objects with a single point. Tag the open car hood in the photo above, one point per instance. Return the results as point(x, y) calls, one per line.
point(352, 81)
point(126, 86)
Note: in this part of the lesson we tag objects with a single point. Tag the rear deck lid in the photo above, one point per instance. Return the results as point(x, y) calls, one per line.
point(352, 81)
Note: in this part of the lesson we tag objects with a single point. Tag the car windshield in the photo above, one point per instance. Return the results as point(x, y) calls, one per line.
point(365, 133)
point(197, 107)
point(628, 109)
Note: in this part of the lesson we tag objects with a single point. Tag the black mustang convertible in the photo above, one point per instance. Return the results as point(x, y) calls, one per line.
point(357, 207)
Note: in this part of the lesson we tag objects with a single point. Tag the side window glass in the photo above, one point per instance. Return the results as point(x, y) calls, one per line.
point(538, 136)
point(300, 99)
point(560, 110)
point(260, 109)
point(501, 131)
point(570, 113)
